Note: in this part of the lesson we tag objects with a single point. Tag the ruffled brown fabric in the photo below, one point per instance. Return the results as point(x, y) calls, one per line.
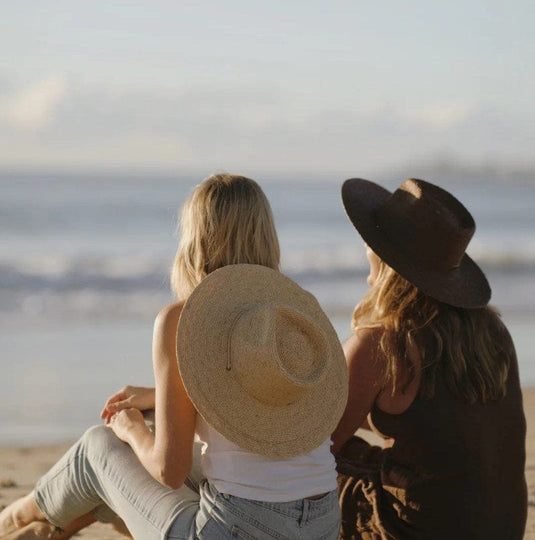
point(359, 489)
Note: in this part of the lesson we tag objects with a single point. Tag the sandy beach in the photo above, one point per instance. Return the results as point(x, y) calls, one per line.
point(21, 466)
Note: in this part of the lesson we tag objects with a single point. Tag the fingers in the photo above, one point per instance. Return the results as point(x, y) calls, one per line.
point(120, 405)
point(128, 397)
point(112, 418)
point(109, 406)
point(122, 420)
point(114, 408)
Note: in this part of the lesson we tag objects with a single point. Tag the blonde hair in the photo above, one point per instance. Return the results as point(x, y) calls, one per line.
point(226, 220)
point(468, 349)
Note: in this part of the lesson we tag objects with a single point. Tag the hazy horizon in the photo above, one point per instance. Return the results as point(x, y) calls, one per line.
point(434, 171)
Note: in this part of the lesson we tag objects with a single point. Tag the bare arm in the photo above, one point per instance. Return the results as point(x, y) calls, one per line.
point(365, 376)
point(167, 454)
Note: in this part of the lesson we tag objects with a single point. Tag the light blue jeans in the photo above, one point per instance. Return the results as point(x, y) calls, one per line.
point(102, 475)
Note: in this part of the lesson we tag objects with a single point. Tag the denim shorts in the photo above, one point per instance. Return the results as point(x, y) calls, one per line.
point(222, 516)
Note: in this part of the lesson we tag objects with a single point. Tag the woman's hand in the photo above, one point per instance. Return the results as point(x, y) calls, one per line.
point(129, 397)
point(125, 422)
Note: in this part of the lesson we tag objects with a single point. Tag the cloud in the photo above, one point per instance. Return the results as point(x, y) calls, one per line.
point(445, 115)
point(34, 107)
point(240, 128)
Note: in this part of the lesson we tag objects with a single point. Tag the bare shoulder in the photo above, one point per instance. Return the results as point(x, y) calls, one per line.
point(168, 317)
point(363, 354)
point(164, 335)
point(363, 343)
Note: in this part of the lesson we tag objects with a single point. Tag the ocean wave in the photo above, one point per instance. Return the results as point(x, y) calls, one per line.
point(123, 275)
point(64, 275)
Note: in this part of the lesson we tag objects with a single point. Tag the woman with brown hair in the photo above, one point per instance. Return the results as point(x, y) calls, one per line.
point(433, 371)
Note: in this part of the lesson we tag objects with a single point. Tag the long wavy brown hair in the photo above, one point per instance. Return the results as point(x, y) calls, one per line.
point(226, 220)
point(468, 349)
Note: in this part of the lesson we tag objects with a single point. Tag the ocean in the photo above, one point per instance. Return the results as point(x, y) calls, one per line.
point(84, 265)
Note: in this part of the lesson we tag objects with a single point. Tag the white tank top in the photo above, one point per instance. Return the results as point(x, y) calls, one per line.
point(233, 470)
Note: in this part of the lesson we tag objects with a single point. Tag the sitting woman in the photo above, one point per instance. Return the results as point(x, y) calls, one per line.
point(433, 371)
point(250, 363)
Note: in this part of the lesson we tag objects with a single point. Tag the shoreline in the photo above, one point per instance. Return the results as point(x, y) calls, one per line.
point(21, 466)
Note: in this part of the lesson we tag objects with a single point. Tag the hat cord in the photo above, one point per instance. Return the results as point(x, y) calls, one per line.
point(229, 341)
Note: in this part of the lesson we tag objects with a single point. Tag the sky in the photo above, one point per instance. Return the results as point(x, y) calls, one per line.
point(288, 86)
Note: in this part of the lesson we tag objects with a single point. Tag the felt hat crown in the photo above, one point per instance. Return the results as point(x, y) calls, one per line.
point(422, 232)
point(261, 362)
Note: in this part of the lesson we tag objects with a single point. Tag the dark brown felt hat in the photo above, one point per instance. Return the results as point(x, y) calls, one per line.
point(421, 231)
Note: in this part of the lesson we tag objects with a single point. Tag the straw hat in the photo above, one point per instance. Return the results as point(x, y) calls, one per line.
point(422, 232)
point(261, 362)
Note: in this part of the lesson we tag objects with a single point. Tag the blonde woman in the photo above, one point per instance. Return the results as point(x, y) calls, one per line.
point(433, 371)
point(249, 363)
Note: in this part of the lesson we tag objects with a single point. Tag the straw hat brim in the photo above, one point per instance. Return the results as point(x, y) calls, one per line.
point(203, 330)
point(465, 286)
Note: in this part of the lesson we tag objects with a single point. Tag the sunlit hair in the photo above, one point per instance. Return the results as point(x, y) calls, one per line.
point(469, 349)
point(226, 220)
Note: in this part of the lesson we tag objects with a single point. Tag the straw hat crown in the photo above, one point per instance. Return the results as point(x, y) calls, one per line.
point(422, 232)
point(289, 353)
point(261, 362)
